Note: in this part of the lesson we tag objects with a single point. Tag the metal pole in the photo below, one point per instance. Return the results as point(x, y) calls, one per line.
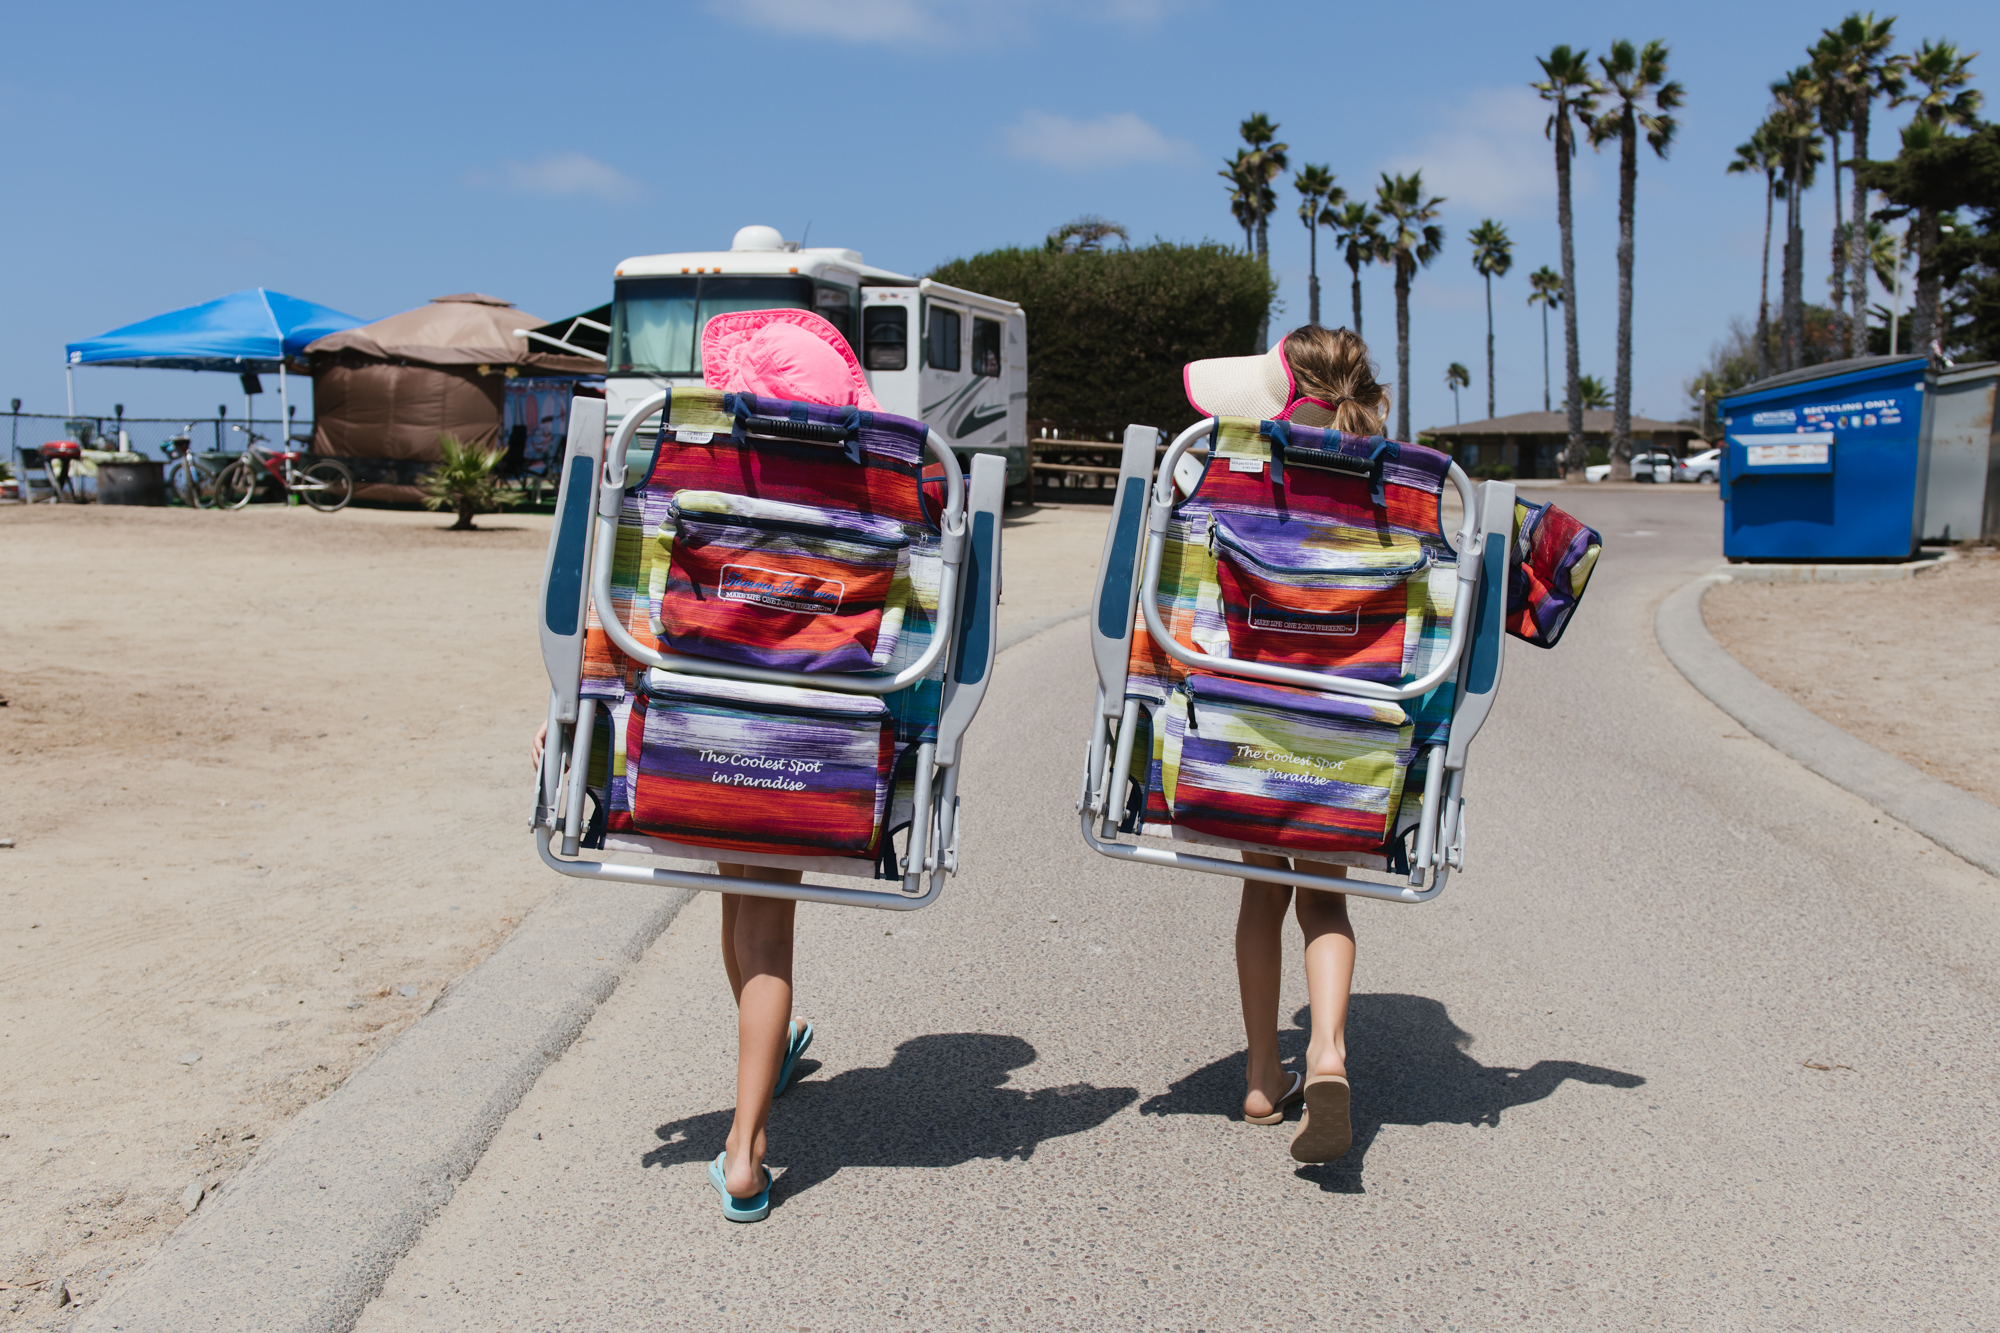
point(284, 417)
point(69, 379)
point(1896, 314)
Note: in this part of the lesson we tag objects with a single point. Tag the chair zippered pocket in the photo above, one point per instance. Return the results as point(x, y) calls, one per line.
point(1282, 767)
point(1294, 594)
point(773, 584)
point(764, 768)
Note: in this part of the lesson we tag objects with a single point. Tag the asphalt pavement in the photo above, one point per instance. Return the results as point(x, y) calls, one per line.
point(1699, 1041)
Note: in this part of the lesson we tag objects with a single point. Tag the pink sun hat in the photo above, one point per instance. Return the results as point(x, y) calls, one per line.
point(789, 354)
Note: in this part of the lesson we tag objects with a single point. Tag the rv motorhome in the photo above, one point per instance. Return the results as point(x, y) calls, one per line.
point(955, 360)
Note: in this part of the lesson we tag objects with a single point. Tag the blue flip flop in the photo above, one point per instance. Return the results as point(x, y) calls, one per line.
point(753, 1209)
point(801, 1036)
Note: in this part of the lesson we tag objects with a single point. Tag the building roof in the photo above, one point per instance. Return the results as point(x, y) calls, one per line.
point(1596, 421)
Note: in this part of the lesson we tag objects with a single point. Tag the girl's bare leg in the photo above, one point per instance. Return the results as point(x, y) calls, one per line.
point(1329, 970)
point(757, 954)
point(1260, 958)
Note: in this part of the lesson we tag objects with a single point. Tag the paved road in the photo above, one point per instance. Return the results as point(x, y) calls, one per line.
point(1701, 1043)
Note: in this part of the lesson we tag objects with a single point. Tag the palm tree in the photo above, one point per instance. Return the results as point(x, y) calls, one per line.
point(1492, 256)
point(1457, 377)
point(1641, 96)
point(1591, 392)
point(1796, 122)
point(1548, 291)
point(1945, 101)
point(1085, 235)
point(1762, 155)
point(1357, 229)
point(1243, 197)
point(1316, 210)
point(1833, 99)
point(463, 480)
point(1411, 241)
point(1570, 90)
point(1856, 55)
point(1252, 171)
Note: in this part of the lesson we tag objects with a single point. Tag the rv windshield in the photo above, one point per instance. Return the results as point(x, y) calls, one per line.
point(656, 323)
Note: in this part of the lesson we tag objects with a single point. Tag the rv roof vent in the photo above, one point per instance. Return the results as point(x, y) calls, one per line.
point(758, 238)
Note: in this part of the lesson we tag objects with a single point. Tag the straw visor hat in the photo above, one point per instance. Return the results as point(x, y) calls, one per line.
point(1262, 388)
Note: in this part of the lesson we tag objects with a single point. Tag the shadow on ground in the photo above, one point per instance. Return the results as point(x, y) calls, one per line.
point(938, 1102)
point(1407, 1061)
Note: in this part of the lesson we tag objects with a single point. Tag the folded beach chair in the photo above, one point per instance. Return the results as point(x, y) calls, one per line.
point(1292, 655)
point(766, 634)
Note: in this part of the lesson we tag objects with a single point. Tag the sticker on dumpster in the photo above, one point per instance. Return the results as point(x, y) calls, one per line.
point(1783, 418)
point(1783, 455)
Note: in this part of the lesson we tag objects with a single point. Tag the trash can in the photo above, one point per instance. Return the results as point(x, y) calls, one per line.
point(1828, 463)
point(1962, 497)
point(140, 483)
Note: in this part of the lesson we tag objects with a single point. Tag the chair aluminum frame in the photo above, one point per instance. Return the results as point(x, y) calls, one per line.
point(577, 576)
point(1128, 584)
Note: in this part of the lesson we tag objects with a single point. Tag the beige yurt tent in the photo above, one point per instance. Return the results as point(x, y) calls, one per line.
point(384, 392)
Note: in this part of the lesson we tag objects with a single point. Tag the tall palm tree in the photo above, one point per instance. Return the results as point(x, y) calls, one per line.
point(1570, 90)
point(1357, 229)
point(1411, 239)
point(1548, 291)
point(1942, 72)
point(1796, 121)
point(1856, 51)
point(1258, 167)
point(1243, 197)
point(1762, 155)
point(1316, 209)
point(1457, 377)
point(1492, 256)
point(1641, 96)
point(1834, 98)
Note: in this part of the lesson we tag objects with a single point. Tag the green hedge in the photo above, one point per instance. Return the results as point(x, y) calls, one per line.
point(1109, 332)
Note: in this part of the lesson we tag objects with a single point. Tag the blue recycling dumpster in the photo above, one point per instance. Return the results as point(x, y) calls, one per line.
point(1827, 463)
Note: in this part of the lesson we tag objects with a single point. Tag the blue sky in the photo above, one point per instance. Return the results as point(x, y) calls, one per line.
point(371, 156)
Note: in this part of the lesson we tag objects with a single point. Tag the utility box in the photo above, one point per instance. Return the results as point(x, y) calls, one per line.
point(1828, 463)
point(1962, 499)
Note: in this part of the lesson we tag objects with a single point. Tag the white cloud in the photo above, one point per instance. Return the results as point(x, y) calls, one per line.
point(924, 22)
point(560, 174)
point(1490, 154)
point(1111, 140)
point(890, 22)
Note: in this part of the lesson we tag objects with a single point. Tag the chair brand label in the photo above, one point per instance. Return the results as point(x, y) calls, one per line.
point(1299, 620)
point(801, 593)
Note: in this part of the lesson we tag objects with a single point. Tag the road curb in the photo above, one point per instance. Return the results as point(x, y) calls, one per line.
point(1954, 819)
point(301, 1240)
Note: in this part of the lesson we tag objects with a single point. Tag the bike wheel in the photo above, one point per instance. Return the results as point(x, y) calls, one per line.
point(189, 486)
point(326, 485)
point(237, 485)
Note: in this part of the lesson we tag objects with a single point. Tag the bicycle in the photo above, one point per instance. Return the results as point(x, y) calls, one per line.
point(189, 480)
point(326, 484)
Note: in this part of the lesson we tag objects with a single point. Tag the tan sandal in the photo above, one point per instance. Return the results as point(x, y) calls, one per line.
point(1298, 1090)
point(1325, 1131)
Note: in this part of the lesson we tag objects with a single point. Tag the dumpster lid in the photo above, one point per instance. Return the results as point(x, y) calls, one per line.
point(1827, 370)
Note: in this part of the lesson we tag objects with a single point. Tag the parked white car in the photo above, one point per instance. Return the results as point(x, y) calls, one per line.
point(1655, 467)
point(1704, 466)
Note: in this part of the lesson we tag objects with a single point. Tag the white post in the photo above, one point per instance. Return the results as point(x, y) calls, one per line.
point(1896, 312)
point(69, 379)
point(284, 417)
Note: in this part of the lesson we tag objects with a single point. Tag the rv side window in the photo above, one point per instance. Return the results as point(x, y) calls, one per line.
point(945, 331)
point(836, 307)
point(885, 329)
point(985, 346)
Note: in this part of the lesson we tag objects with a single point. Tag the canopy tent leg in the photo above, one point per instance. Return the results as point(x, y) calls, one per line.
point(284, 407)
point(69, 380)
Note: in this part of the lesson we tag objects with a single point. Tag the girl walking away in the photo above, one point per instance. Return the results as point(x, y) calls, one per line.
point(798, 357)
point(1315, 377)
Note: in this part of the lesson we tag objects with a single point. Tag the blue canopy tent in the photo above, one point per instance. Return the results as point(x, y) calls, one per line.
point(253, 330)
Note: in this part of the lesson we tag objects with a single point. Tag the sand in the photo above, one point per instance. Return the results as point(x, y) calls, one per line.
point(266, 777)
point(1910, 666)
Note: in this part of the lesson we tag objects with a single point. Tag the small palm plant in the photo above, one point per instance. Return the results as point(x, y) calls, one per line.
point(1592, 391)
point(463, 480)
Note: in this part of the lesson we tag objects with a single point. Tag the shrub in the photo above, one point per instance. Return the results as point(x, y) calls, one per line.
point(463, 480)
point(1108, 331)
